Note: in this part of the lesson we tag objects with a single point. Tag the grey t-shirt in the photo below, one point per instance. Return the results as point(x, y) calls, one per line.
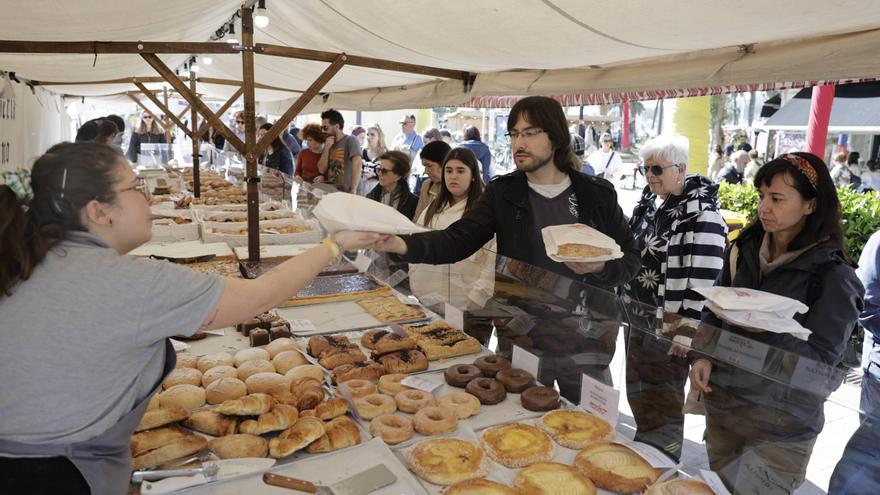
point(561, 209)
point(82, 340)
point(339, 161)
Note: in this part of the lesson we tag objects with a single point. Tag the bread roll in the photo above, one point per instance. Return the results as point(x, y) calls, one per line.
point(240, 445)
point(252, 353)
point(280, 345)
point(177, 376)
point(154, 403)
point(218, 359)
point(161, 417)
point(285, 361)
point(187, 445)
point(306, 370)
point(187, 396)
point(211, 422)
point(225, 389)
point(218, 372)
point(254, 366)
point(146, 441)
point(267, 383)
point(186, 360)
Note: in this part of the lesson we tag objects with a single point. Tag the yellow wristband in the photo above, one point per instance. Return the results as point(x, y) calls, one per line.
point(334, 248)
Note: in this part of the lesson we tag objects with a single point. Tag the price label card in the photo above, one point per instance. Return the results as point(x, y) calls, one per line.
point(714, 481)
point(654, 456)
point(525, 360)
point(742, 351)
point(302, 326)
point(408, 300)
point(347, 396)
point(362, 262)
point(432, 298)
point(396, 278)
point(600, 399)
point(814, 377)
point(521, 324)
point(422, 383)
point(454, 316)
point(221, 332)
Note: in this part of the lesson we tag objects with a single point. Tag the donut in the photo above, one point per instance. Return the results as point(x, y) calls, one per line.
point(515, 380)
point(488, 390)
point(358, 388)
point(390, 384)
point(460, 375)
point(490, 365)
point(463, 404)
point(410, 401)
point(391, 428)
point(540, 399)
point(435, 420)
point(374, 405)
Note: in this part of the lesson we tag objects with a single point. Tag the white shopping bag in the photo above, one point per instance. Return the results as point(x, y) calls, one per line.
point(742, 299)
point(343, 211)
point(576, 233)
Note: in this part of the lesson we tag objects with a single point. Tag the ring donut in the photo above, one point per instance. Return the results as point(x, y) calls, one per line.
point(358, 388)
point(390, 384)
point(488, 390)
point(435, 420)
point(374, 405)
point(463, 404)
point(410, 401)
point(391, 428)
point(491, 365)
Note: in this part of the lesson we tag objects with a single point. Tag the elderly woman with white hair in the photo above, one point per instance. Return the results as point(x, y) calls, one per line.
point(682, 236)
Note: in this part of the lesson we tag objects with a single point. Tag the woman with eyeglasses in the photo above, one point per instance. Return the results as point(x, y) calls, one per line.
point(393, 188)
point(761, 427)
point(84, 327)
point(681, 235)
point(148, 132)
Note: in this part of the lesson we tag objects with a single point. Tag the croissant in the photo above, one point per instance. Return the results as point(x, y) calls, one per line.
point(212, 422)
point(338, 434)
point(161, 417)
point(305, 393)
point(186, 445)
point(357, 371)
point(279, 418)
point(302, 433)
point(331, 408)
point(249, 405)
point(149, 440)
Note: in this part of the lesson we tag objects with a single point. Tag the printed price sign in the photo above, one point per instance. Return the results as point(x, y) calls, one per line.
point(742, 351)
point(362, 262)
point(421, 382)
point(302, 326)
point(600, 399)
point(525, 360)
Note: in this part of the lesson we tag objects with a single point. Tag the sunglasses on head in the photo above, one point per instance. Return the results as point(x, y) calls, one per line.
point(383, 171)
point(239, 122)
point(656, 170)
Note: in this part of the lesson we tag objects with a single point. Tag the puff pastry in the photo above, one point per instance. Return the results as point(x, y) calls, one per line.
point(517, 445)
point(680, 487)
point(572, 250)
point(575, 429)
point(480, 486)
point(546, 478)
point(446, 461)
point(615, 467)
point(388, 309)
point(305, 431)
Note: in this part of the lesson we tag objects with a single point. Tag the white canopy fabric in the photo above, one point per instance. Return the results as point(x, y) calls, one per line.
point(629, 50)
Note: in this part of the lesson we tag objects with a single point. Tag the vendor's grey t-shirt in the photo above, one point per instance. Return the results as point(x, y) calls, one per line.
point(82, 340)
point(558, 210)
point(339, 162)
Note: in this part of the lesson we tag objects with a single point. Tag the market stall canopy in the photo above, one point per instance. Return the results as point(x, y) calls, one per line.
point(856, 108)
point(583, 51)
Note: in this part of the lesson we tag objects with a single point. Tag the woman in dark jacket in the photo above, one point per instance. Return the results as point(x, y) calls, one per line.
point(473, 142)
point(278, 155)
point(763, 416)
point(148, 132)
point(393, 188)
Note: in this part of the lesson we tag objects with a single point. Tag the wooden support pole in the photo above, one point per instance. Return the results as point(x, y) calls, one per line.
point(250, 134)
point(186, 108)
point(221, 111)
point(147, 110)
point(194, 100)
point(300, 103)
point(162, 107)
point(196, 141)
point(95, 47)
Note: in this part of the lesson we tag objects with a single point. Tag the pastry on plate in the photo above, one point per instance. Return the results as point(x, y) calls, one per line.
point(517, 445)
point(585, 251)
point(389, 309)
point(447, 461)
point(679, 487)
point(615, 467)
point(575, 429)
point(480, 486)
point(551, 478)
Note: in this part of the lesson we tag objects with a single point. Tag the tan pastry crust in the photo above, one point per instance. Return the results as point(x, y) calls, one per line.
point(239, 445)
point(575, 429)
point(615, 467)
point(446, 461)
point(303, 432)
point(463, 404)
point(550, 478)
point(339, 433)
point(586, 251)
point(679, 487)
point(435, 420)
point(517, 445)
point(211, 422)
point(161, 417)
point(480, 486)
point(392, 428)
point(389, 309)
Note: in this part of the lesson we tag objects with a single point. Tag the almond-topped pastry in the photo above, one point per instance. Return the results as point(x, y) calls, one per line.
point(575, 429)
point(572, 250)
point(389, 309)
point(615, 467)
point(480, 486)
point(551, 478)
point(446, 461)
point(680, 487)
point(320, 343)
point(517, 445)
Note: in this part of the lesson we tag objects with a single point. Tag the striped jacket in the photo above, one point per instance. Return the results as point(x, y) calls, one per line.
point(682, 246)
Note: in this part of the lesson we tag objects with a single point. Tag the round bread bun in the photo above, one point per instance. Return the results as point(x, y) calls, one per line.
point(285, 361)
point(218, 359)
point(218, 372)
point(306, 370)
point(267, 383)
point(186, 360)
point(248, 354)
point(177, 376)
point(225, 389)
point(254, 366)
point(184, 395)
point(280, 345)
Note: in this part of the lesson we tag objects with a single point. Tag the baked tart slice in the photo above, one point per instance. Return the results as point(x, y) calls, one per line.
point(615, 467)
point(447, 461)
point(517, 445)
point(552, 478)
point(575, 429)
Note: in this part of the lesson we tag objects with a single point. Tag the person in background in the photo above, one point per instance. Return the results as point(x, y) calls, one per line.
point(215, 138)
point(277, 155)
point(871, 178)
point(459, 188)
point(408, 141)
point(238, 128)
point(716, 163)
point(148, 132)
point(757, 428)
point(87, 132)
point(473, 142)
point(855, 170)
point(432, 155)
point(66, 247)
point(393, 188)
point(752, 167)
point(361, 134)
point(308, 157)
point(446, 136)
point(578, 144)
point(733, 172)
point(341, 160)
point(840, 173)
point(606, 161)
point(375, 143)
point(120, 126)
point(682, 237)
point(107, 132)
point(432, 134)
point(291, 141)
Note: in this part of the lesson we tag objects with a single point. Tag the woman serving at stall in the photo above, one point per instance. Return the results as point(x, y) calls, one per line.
point(84, 328)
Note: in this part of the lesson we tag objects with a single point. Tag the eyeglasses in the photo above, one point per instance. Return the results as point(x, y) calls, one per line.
point(147, 117)
point(140, 187)
point(527, 134)
point(383, 171)
point(239, 122)
point(656, 170)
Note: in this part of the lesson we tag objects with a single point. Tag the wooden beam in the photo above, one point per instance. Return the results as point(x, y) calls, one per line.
point(125, 80)
point(233, 82)
point(186, 108)
point(221, 111)
point(374, 63)
point(250, 134)
point(164, 108)
point(300, 103)
point(196, 141)
point(96, 47)
point(194, 100)
point(147, 110)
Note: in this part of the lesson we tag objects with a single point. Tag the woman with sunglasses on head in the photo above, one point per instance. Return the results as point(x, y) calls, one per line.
point(84, 328)
point(148, 132)
point(681, 236)
point(393, 188)
point(757, 427)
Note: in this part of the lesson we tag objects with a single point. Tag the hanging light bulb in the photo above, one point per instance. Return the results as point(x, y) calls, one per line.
point(207, 60)
point(231, 39)
point(261, 15)
point(194, 65)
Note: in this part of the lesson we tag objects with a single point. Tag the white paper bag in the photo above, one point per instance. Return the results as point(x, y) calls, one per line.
point(768, 321)
point(576, 233)
point(742, 299)
point(343, 211)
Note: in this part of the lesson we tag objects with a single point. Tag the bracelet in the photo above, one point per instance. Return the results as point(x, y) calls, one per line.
point(334, 247)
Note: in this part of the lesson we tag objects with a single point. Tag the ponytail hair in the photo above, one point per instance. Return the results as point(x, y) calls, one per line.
point(66, 178)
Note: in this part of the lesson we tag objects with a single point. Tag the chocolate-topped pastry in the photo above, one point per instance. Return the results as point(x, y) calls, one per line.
point(515, 380)
point(540, 399)
point(268, 319)
point(370, 337)
point(245, 327)
point(259, 336)
point(279, 331)
point(488, 390)
point(406, 361)
point(320, 343)
point(490, 365)
point(460, 374)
